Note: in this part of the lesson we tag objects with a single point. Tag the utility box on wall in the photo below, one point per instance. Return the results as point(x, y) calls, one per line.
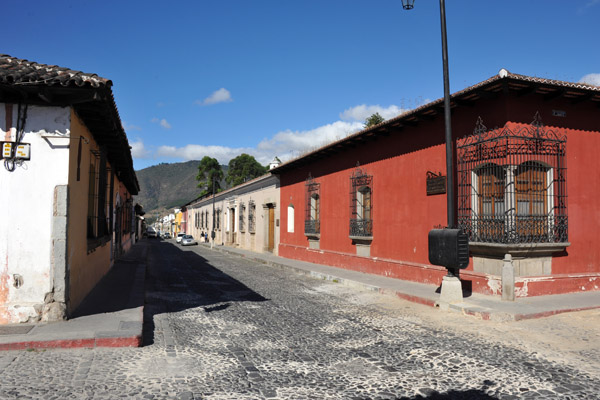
point(449, 248)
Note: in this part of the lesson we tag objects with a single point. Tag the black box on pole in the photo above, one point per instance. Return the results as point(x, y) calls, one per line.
point(449, 248)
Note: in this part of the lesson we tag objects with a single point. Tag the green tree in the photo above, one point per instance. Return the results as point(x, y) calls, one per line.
point(208, 169)
point(373, 120)
point(243, 168)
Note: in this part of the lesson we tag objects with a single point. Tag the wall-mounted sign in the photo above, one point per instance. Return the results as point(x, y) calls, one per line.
point(436, 183)
point(21, 152)
point(559, 113)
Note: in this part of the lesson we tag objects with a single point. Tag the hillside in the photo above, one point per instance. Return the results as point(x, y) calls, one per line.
point(166, 186)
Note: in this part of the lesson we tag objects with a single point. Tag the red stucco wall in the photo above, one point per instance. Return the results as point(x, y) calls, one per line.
point(403, 214)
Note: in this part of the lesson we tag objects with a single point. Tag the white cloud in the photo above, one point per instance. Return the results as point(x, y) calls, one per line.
point(363, 111)
point(138, 150)
point(285, 144)
point(288, 144)
point(196, 152)
point(162, 122)
point(591, 79)
point(219, 96)
point(130, 127)
point(590, 3)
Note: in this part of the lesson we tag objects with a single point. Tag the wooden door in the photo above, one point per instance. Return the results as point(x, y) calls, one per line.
point(271, 244)
point(232, 226)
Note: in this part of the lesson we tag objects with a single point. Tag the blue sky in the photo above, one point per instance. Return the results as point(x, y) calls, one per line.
point(277, 78)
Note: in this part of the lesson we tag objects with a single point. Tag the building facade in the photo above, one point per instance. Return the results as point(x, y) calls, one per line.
point(367, 202)
point(246, 216)
point(66, 182)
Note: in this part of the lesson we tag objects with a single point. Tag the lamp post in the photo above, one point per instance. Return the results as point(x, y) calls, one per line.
point(408, 5)
point(447, 247)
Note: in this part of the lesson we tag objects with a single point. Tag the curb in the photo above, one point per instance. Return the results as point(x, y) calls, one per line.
point(474, 310)
point(131, 341)
point(332, 278)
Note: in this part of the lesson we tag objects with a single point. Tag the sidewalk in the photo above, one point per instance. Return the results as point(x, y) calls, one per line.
point(112, 315)
point(480, 306)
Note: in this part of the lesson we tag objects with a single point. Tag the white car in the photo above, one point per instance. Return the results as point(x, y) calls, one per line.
point(179, 237)
point(188, 240)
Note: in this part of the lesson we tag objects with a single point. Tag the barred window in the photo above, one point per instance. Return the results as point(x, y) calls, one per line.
point(251, 217)
point(241, 219)
point(312, 223)
point(219, 219)
point(361, 193)
point(512, 185)
point(97, 223)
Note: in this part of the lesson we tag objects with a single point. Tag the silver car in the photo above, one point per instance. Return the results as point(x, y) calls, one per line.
point(179, 237)
point(188, 240)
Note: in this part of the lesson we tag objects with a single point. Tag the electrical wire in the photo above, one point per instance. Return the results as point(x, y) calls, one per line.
point(11, 163)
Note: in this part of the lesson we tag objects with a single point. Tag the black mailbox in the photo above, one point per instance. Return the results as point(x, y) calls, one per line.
point(449, 248)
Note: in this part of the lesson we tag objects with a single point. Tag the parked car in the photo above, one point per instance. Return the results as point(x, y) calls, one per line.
point(166, 235)
point(151, 233)
point(179, 237)
point(188, 240)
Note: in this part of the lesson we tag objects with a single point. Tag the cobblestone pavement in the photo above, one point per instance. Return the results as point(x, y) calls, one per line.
point(220, 327)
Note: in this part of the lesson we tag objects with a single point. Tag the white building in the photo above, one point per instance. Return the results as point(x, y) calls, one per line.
point(66, 186)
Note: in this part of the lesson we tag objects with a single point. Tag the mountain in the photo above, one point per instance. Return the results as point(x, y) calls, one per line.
point(167, 186)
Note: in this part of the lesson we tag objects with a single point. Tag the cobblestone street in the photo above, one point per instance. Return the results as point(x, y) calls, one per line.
point(220, 327)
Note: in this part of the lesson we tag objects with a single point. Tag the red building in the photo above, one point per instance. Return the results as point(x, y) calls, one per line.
point(527, 188)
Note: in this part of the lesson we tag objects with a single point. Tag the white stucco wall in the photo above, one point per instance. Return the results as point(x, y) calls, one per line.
point(262, 191)
point(26, 210)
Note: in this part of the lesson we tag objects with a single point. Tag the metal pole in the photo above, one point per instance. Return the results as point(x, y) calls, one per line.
point(449, 149)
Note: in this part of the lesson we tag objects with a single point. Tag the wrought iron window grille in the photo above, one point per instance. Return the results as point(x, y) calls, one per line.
point(97, 218)
point(512, 185)
point(241, 219)
point(312, 224)
point(252, 217)
point(361, 204)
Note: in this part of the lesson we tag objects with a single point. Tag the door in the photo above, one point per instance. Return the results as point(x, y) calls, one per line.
point(232, 225)
point(271, 244)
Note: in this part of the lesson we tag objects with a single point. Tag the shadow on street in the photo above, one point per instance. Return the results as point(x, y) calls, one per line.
point(178, 279)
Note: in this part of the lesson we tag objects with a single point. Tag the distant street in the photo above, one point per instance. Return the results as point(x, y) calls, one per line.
point(221, 327)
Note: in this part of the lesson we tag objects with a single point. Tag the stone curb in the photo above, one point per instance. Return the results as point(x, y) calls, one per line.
point(473, 310)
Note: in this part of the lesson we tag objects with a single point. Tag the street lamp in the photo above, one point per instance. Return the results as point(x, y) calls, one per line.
point(408, 4)
point(447, 247)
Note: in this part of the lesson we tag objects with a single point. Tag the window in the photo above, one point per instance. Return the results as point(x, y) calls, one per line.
point(241, 217)
point(97, 223)
point(251, 217)
point(312, 223)
point(490, 208)
point(512, 185)
point(219, 219)
point(532, 199)
point(361, 189)
point(290, 219)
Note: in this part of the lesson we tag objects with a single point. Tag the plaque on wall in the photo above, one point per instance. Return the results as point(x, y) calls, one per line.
point(436, 183)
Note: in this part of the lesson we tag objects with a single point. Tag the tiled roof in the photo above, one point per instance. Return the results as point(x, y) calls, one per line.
point(495, 84)
point(15, 71)
point(88, 94)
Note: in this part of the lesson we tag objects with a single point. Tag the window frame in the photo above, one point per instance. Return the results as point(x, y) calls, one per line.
point(529, 166)
point(312, 221)
point(361, 213)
